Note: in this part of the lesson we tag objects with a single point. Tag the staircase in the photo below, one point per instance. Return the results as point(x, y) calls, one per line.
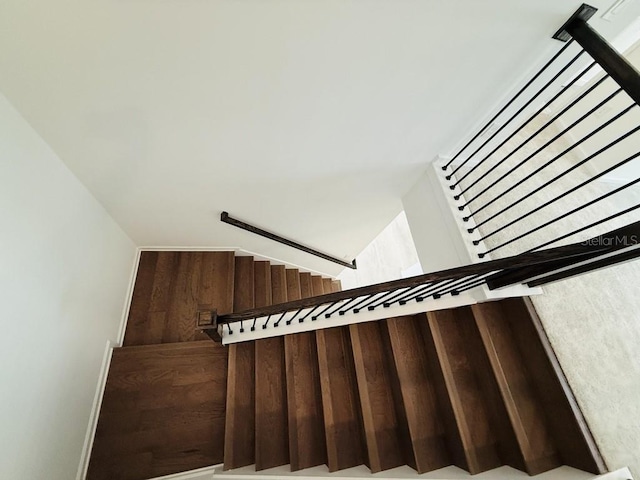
point(477, 387)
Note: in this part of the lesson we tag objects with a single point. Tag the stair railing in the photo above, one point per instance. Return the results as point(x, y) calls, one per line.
point(374, 302)
point(531, 178)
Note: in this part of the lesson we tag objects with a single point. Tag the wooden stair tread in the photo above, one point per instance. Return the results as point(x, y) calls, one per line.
point(418, 393)
point(523, 410)
point(340, 399)
point(471, 440)
point(272, 437)
point(307, 446)
point(380, 421)
point(239, 444)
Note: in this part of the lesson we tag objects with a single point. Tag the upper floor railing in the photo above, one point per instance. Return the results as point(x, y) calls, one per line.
point(558, 162)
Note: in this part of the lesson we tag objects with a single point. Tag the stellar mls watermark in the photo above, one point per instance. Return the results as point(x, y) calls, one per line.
point(617, 241)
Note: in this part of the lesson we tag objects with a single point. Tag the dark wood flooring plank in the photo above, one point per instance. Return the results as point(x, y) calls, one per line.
point(379, 417)
point(217, 281)
point(272, 430)
point(340, 400)
point(307, 447)
point(565, 421)
point(163, 311)
point(184, 300)
point(471, 439)
point(521, 407)
point(418, 394)
point(158, 416)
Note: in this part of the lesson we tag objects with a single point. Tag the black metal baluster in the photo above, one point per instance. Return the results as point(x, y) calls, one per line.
point(540, 149)
point(475, 284)
point(280, 319)
point(521, 127)
point(523, 198)
point(406, 294)
point(577, 209)
point(344, 304)
point(560, 52)
point(321, 312)
point(383, 301)
point(308, 313)
point(587, 227)
point(368, 302)
point(571, 190)
point(444, 289)
point(518, 112)
point(423, 293)
point(532, 136)
point(266, 323)
point(288, 322)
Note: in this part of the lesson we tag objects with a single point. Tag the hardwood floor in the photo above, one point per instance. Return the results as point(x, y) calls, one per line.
point(169, 288)
point(163, 408)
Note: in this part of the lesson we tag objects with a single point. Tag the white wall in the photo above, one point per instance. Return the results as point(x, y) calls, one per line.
point(433, 228)
point(65, 267)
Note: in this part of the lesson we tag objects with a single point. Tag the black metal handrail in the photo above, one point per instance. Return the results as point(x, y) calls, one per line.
point(226, 218)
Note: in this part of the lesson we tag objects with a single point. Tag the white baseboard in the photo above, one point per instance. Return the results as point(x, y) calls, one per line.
point(127, 302)
point(95, 412)
point(241, 252)
point(199, 474)
point(404, 472)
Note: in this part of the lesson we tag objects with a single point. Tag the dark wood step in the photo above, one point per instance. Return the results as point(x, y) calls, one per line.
point(170, 287)
point(340, 399)
point(239, 443)
point(317, 288)
point(162, 411)
point(418, 394)
point(307, 447)
point(272, 437)
point(305, 285)
point(472, 442)
point(380, 420)
point(565, 421)
point(517, 402)
point(326, 285)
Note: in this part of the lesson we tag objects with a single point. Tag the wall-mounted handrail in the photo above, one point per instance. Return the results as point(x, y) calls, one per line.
point(226, 218)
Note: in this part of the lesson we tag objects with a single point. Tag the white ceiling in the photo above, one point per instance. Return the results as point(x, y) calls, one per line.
point(309, 118)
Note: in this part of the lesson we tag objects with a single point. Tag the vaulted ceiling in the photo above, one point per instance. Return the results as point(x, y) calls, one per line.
point(309, 118)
